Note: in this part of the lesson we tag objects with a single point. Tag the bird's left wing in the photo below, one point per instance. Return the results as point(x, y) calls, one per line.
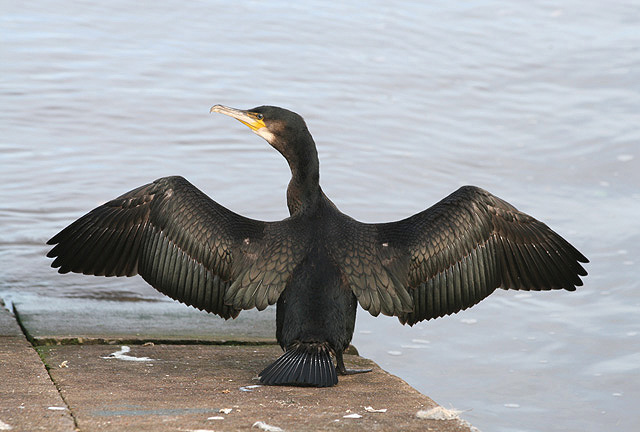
point(185, 245)
point(452, 255)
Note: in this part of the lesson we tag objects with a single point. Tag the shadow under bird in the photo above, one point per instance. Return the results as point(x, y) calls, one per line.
point(317, 264)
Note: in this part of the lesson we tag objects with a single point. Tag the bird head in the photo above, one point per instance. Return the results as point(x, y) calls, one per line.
point(278, 126)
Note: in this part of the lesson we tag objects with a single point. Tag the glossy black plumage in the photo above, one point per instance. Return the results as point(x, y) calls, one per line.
point(317, 263)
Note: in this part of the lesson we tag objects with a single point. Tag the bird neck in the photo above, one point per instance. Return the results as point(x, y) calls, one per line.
point(304, 191)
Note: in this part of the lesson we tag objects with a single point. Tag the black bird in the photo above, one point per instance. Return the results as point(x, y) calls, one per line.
point(318, 263)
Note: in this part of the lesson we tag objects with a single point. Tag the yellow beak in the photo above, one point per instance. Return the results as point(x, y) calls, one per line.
point(247, 117)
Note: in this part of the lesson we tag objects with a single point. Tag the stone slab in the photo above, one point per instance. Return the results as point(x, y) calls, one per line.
point(185, 387)
point(58, 320)
point(29, 401)
point(8, 324)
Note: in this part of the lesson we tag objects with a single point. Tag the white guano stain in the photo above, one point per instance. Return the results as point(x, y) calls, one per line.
point(122, 355)
point(266, 427)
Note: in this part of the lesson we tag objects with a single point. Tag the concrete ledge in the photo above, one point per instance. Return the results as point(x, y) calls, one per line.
point(185, 387)
point(203, 384)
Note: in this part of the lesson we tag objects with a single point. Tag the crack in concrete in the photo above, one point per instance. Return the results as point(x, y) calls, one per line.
point(32, 341)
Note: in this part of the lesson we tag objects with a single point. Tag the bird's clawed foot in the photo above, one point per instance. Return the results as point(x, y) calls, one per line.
point(343, 370)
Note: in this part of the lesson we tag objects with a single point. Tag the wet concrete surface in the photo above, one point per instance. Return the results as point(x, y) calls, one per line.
point(102, 320)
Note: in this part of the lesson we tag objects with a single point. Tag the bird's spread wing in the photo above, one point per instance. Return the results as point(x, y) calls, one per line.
point(454, 254)
point(185, 245)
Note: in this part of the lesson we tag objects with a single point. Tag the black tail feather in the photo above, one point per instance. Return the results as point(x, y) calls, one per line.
point(303, 364)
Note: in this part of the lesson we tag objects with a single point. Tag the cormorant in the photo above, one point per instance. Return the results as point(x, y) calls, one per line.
point(318, 263)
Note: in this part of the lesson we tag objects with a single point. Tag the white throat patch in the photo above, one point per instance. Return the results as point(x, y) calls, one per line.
point(264, 133)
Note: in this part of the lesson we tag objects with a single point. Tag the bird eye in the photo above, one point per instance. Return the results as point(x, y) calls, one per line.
point(259, 116)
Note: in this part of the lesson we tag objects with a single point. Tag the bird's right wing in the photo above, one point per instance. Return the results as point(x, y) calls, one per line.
point(185, 245)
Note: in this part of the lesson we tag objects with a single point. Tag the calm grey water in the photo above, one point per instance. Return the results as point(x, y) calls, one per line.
point(536, 101)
